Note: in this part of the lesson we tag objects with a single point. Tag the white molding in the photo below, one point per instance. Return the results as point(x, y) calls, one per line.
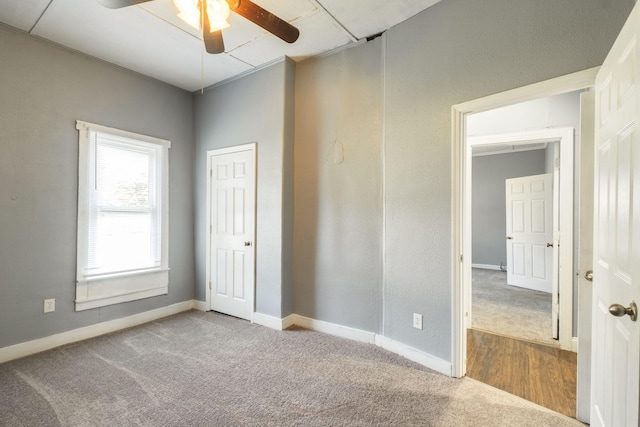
point(200, 305)
point(574, 344)
point(569, 83)
point(425, 359)
point(459, 269)
point(268, 321)
point(486, 266)
point(288, 321)
point(334, 329)
point(47, 343)
point(512, 150)
point(86, 126)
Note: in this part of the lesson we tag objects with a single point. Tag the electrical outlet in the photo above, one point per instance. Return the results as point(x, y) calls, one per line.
point(417, 321)
point(49, 305)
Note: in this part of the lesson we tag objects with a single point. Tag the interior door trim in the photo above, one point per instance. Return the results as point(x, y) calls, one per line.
point(568, 83)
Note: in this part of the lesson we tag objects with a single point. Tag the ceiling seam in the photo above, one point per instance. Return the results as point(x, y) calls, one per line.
point(339, 24)
point(40, 17)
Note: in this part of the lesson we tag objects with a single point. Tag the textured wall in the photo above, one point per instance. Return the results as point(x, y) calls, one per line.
point(252, 109)
point(43, 91)
point(488, 207)
point(338, 206)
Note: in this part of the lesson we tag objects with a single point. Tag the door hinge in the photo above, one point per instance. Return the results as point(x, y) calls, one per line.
point(210, 172)
point(210, 287)
point(461, 258)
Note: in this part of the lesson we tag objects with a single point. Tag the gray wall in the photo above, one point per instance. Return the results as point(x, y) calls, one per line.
point(338, 206)
point(489, 200)
point(453, 52)
point(256, 108)
point(43, 91)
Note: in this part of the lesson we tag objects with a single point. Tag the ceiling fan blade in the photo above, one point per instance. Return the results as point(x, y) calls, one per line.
point(117, 4)
point(213, 41)
point(265, 19)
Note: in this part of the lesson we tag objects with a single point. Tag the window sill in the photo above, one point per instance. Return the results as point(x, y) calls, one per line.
point(100, 291)
point(96, 277)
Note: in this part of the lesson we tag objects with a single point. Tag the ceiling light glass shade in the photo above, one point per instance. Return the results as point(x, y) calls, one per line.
point(217, 11)
point(189, 12)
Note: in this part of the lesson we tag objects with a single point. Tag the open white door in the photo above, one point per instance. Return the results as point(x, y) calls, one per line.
point(529, 202)
point(616, 340)
point(231, 260)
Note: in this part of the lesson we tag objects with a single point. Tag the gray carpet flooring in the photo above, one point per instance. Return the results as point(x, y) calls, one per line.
point(207, 369)
point(509, 310)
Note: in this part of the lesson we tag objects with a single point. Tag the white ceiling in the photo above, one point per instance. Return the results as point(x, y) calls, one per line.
point(152, 40)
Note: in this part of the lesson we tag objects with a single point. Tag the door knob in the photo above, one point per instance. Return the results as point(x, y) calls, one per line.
point(589, 275)
point(549, 245)
point(620, 310)
point(247, 243)
point(509, 238)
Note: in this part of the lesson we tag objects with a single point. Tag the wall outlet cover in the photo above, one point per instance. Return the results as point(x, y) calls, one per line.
point(417, 321)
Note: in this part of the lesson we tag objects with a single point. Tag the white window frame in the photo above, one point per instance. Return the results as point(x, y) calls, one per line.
point(94, 291)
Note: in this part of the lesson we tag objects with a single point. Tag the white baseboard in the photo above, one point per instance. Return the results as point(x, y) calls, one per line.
point(200, 305)
point(388, 344)
point(334, 329)
point(487, 266)
point(415, 355)
point(41, 344)
point(274, 322)
point(268, 321)
point(288, 321)
point(574, 344)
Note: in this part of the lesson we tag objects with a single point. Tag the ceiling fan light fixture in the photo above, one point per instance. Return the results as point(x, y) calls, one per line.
point(189, 12)
point(218, 12)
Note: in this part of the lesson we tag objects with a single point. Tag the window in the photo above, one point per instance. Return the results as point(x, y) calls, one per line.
point(122, 216)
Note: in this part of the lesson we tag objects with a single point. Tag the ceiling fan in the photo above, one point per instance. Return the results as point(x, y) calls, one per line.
point(211, 16)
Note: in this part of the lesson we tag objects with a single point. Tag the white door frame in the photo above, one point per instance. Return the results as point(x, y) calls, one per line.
point(563, 254)
point(461, 246)
point(210, 154)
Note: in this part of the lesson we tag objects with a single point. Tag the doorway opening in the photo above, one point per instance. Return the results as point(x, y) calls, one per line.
point(462, 237)
point(513, 208)
point(514, 315)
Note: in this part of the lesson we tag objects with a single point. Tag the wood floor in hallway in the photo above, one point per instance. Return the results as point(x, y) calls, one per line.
point(536, 372)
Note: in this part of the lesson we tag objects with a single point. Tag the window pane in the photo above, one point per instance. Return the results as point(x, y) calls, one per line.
point(124, 241)
point(124, 228)
point(124, 177)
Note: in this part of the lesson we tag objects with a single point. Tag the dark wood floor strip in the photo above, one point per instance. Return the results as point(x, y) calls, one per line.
point(536, 372)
